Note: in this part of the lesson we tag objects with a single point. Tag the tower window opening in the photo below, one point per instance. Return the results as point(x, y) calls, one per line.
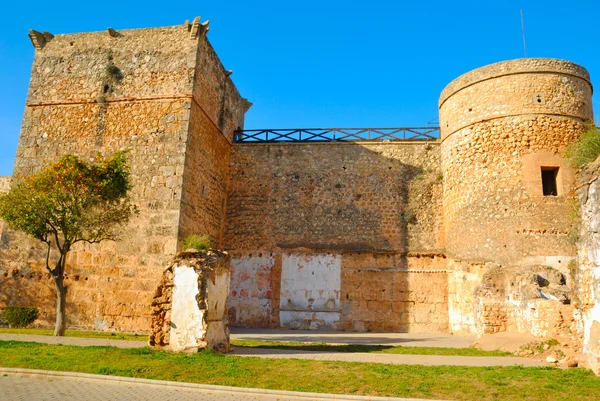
point(549, 186)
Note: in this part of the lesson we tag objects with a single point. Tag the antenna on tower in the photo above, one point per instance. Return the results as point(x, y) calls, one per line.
point(523, 32)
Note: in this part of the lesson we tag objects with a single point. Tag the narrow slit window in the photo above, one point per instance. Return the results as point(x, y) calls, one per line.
point(549, 186)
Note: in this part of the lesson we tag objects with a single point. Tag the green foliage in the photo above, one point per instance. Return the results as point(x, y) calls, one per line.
point(409, 217)
point(575, 221)
point(466, 383)
point(586, 150)
point(68, 202)
point(114, 71)
point(19, 316)
point(198, 242)
point(71, 201)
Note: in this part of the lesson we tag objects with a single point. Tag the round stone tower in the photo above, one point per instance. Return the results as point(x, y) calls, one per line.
point(507, 190)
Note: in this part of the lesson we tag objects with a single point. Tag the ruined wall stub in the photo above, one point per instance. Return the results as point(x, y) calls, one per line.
point(163, 94)
point(366, 206)
point(189, 311)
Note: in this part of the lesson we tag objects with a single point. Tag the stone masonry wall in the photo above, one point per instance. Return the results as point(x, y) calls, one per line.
point(329, 216)
point(96, 93)
point(587, 273)
point(335, 196)
point(216, 111)
point(500, 125)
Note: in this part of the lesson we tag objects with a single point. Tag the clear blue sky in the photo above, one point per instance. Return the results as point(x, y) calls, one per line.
point(321, 63)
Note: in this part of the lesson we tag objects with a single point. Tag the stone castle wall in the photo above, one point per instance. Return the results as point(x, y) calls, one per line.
point(501, 125)
point(339, 235)
point(412, 236)
point(217, 110)
point(96, 93)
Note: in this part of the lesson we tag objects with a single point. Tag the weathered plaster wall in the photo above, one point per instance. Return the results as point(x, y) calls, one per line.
point(254, 299)
point(75, 105)
point(310, 291)
point(189, 311)
point(587, 277)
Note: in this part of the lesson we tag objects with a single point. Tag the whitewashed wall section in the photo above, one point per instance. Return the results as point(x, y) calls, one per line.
point(249, 301)
point(310, 291)
point(187, 320)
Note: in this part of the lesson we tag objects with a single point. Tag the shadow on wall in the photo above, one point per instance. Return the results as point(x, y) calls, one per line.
point(337, 221)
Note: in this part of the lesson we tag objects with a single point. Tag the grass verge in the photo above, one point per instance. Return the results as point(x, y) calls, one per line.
point(376, 349)
point(79, 333)
point(438, 382)
point(323, 347)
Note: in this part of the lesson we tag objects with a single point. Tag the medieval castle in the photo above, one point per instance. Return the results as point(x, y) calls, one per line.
point(467, 233)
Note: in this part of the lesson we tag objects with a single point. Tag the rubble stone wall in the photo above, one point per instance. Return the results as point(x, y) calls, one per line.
point(335, 196)
point(96, 93)
point(500, 126)
point(587, 272)
point(338, 213)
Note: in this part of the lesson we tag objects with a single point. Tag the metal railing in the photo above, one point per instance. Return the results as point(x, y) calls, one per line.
point(337, 134)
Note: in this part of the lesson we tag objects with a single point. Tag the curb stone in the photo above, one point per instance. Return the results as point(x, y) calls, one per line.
point(191, 387)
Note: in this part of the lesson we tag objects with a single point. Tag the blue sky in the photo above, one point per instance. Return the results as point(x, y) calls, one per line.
point(322, 63)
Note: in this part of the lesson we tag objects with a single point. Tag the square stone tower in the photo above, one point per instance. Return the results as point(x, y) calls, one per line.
point(163, 94)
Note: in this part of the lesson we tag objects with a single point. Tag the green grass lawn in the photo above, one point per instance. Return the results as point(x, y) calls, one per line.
point(380, 349)
point(79, 333)
point(439, 382)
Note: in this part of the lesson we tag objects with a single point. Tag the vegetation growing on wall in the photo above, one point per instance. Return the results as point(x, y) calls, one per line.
point(586, 150)
point(197, 242)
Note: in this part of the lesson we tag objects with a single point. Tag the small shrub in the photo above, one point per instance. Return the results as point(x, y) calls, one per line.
point(586, 150)
point(20, 316)
point(198, 242)
point(114, 71)
point(409, 217)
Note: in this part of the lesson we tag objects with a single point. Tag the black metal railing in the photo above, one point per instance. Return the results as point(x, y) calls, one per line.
point(337, 134)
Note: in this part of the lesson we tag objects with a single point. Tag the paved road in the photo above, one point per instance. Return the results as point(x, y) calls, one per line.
point(50, 386)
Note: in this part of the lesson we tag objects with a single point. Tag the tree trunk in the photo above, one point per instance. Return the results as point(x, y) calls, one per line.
point(61, 295)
